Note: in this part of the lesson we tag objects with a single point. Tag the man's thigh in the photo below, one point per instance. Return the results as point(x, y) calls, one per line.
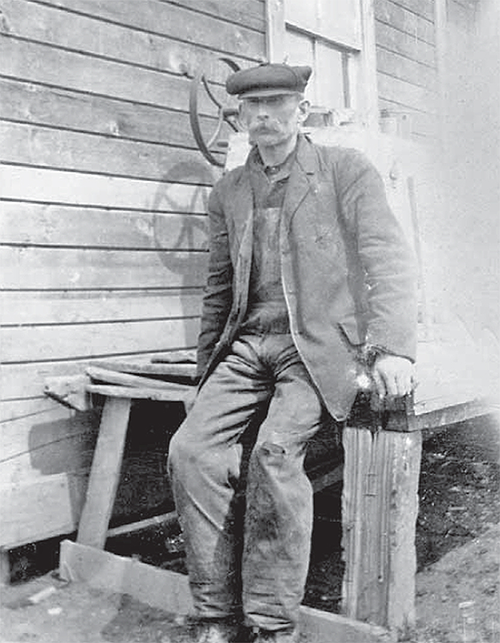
point(235, 396)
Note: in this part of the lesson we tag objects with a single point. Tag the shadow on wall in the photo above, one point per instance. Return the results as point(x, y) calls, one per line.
point(181, 246)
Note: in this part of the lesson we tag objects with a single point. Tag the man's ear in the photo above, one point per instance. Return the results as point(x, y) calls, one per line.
point(241, 117)
point(304, 109)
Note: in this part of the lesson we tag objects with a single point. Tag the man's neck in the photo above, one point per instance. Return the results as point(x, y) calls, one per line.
point(276, 154)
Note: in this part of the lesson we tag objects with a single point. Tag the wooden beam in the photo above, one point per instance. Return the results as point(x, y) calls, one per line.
point(169, 393)
point(169, 591)
point(380, 506)
point(275, 33)
point(366, 88)
point(105, 473)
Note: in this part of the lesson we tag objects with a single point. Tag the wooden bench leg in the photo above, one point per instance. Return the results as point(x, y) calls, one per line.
point(105, 473)
point(380, 506)
point(4, 567)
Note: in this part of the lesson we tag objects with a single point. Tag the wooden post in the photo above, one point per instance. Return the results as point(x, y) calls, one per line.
point(105, 472)
point(380, 506)
point(4, 567)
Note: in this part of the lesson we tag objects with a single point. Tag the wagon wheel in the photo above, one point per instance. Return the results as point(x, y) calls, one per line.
point(224, 115)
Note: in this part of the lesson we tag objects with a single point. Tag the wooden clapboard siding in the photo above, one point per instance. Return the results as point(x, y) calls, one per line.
point(406, 62)
point(22, 183)
point(61, 149)
point(39, 63)
point(103, 196)
point(18, 409)
point(170, 20)
point(61, 225)
point(86, 306)
point(37, 104)
point(68, 268)
point(238, 11)
point(116, 338)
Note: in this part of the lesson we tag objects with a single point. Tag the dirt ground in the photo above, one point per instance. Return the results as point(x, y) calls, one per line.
point(458, 543)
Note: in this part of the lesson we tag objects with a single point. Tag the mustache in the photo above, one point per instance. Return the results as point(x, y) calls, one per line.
point(264, 129)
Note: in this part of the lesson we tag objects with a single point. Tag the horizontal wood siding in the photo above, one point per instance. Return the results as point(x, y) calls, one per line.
point(406, 63)
point(103, 195)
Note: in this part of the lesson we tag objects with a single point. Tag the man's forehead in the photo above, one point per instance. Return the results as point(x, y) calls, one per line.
point(271, 97)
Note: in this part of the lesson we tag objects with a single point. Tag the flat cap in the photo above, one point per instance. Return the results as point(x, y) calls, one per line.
point(268, 79)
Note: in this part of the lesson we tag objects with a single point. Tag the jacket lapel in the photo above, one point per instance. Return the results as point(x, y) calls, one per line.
point(299, 183)
point(242, 216)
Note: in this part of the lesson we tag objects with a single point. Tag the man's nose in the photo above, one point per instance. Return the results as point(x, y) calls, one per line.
point(262, 111)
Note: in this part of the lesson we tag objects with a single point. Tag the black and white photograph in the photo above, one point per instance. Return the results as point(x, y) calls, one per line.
point(249, 321)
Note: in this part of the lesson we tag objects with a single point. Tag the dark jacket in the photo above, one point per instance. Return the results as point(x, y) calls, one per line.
point(348, 273)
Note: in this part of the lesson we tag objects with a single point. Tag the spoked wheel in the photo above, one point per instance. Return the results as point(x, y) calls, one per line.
point(224, 115)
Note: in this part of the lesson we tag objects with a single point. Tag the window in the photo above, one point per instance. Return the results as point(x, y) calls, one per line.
point(335, 37)
point(324, 35)
point(329, 86)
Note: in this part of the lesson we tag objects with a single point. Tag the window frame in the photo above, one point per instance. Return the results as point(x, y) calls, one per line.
point(360, 67)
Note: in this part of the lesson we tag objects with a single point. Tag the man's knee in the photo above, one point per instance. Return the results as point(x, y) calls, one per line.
point(181, 451)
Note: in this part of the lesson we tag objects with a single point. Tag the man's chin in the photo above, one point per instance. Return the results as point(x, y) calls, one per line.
point(266, 139)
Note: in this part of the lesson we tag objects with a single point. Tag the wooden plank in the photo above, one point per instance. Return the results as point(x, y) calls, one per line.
point(105, 473)
point(169, 591)
point(144, 47)
point(276, 31)
point(407, 95)
point(47, 268)
point(408, 22)
point(37, 104)
point(112, 376)
point(169, 393)
point(423, 8)
point(187, 369)
point(35, 62)
point(40, 509)
point(53, 225)
point(242, 12)
point(447, 415)
point(90, 190)
point(172, 21)
point(379, 507)
point(4, 567)
point(160, 521)
point(62, 149)
point(406, 69)
point(26, 381)
point(84, 306)
point(69, 391)
point(393, 40)
point(95, 340)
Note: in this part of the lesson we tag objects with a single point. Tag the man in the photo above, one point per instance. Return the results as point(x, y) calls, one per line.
point(309, 278)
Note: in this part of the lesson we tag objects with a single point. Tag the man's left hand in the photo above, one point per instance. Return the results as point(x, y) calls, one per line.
point(393, 376)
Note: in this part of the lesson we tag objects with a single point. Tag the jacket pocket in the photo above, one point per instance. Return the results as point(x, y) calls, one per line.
point(350, 330)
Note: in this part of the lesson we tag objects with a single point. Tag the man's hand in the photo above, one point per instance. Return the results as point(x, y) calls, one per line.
point(393, 376)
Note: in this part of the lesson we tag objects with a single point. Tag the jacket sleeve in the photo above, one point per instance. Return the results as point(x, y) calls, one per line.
point(387, 261)
point(217, 297)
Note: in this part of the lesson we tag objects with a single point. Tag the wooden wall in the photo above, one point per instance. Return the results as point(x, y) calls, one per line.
point(102, 195)
point(407, 63)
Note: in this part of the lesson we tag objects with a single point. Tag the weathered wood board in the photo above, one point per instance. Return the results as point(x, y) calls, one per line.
point(103, 198)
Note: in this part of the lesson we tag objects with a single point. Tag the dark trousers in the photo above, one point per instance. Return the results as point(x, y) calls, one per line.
point(250, 561)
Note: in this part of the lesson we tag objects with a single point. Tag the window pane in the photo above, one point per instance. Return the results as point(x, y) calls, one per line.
point(326, 87)
point(330, 76)
point(336, 20)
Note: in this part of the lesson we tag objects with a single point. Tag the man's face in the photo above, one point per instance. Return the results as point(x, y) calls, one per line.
point(273, 120)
